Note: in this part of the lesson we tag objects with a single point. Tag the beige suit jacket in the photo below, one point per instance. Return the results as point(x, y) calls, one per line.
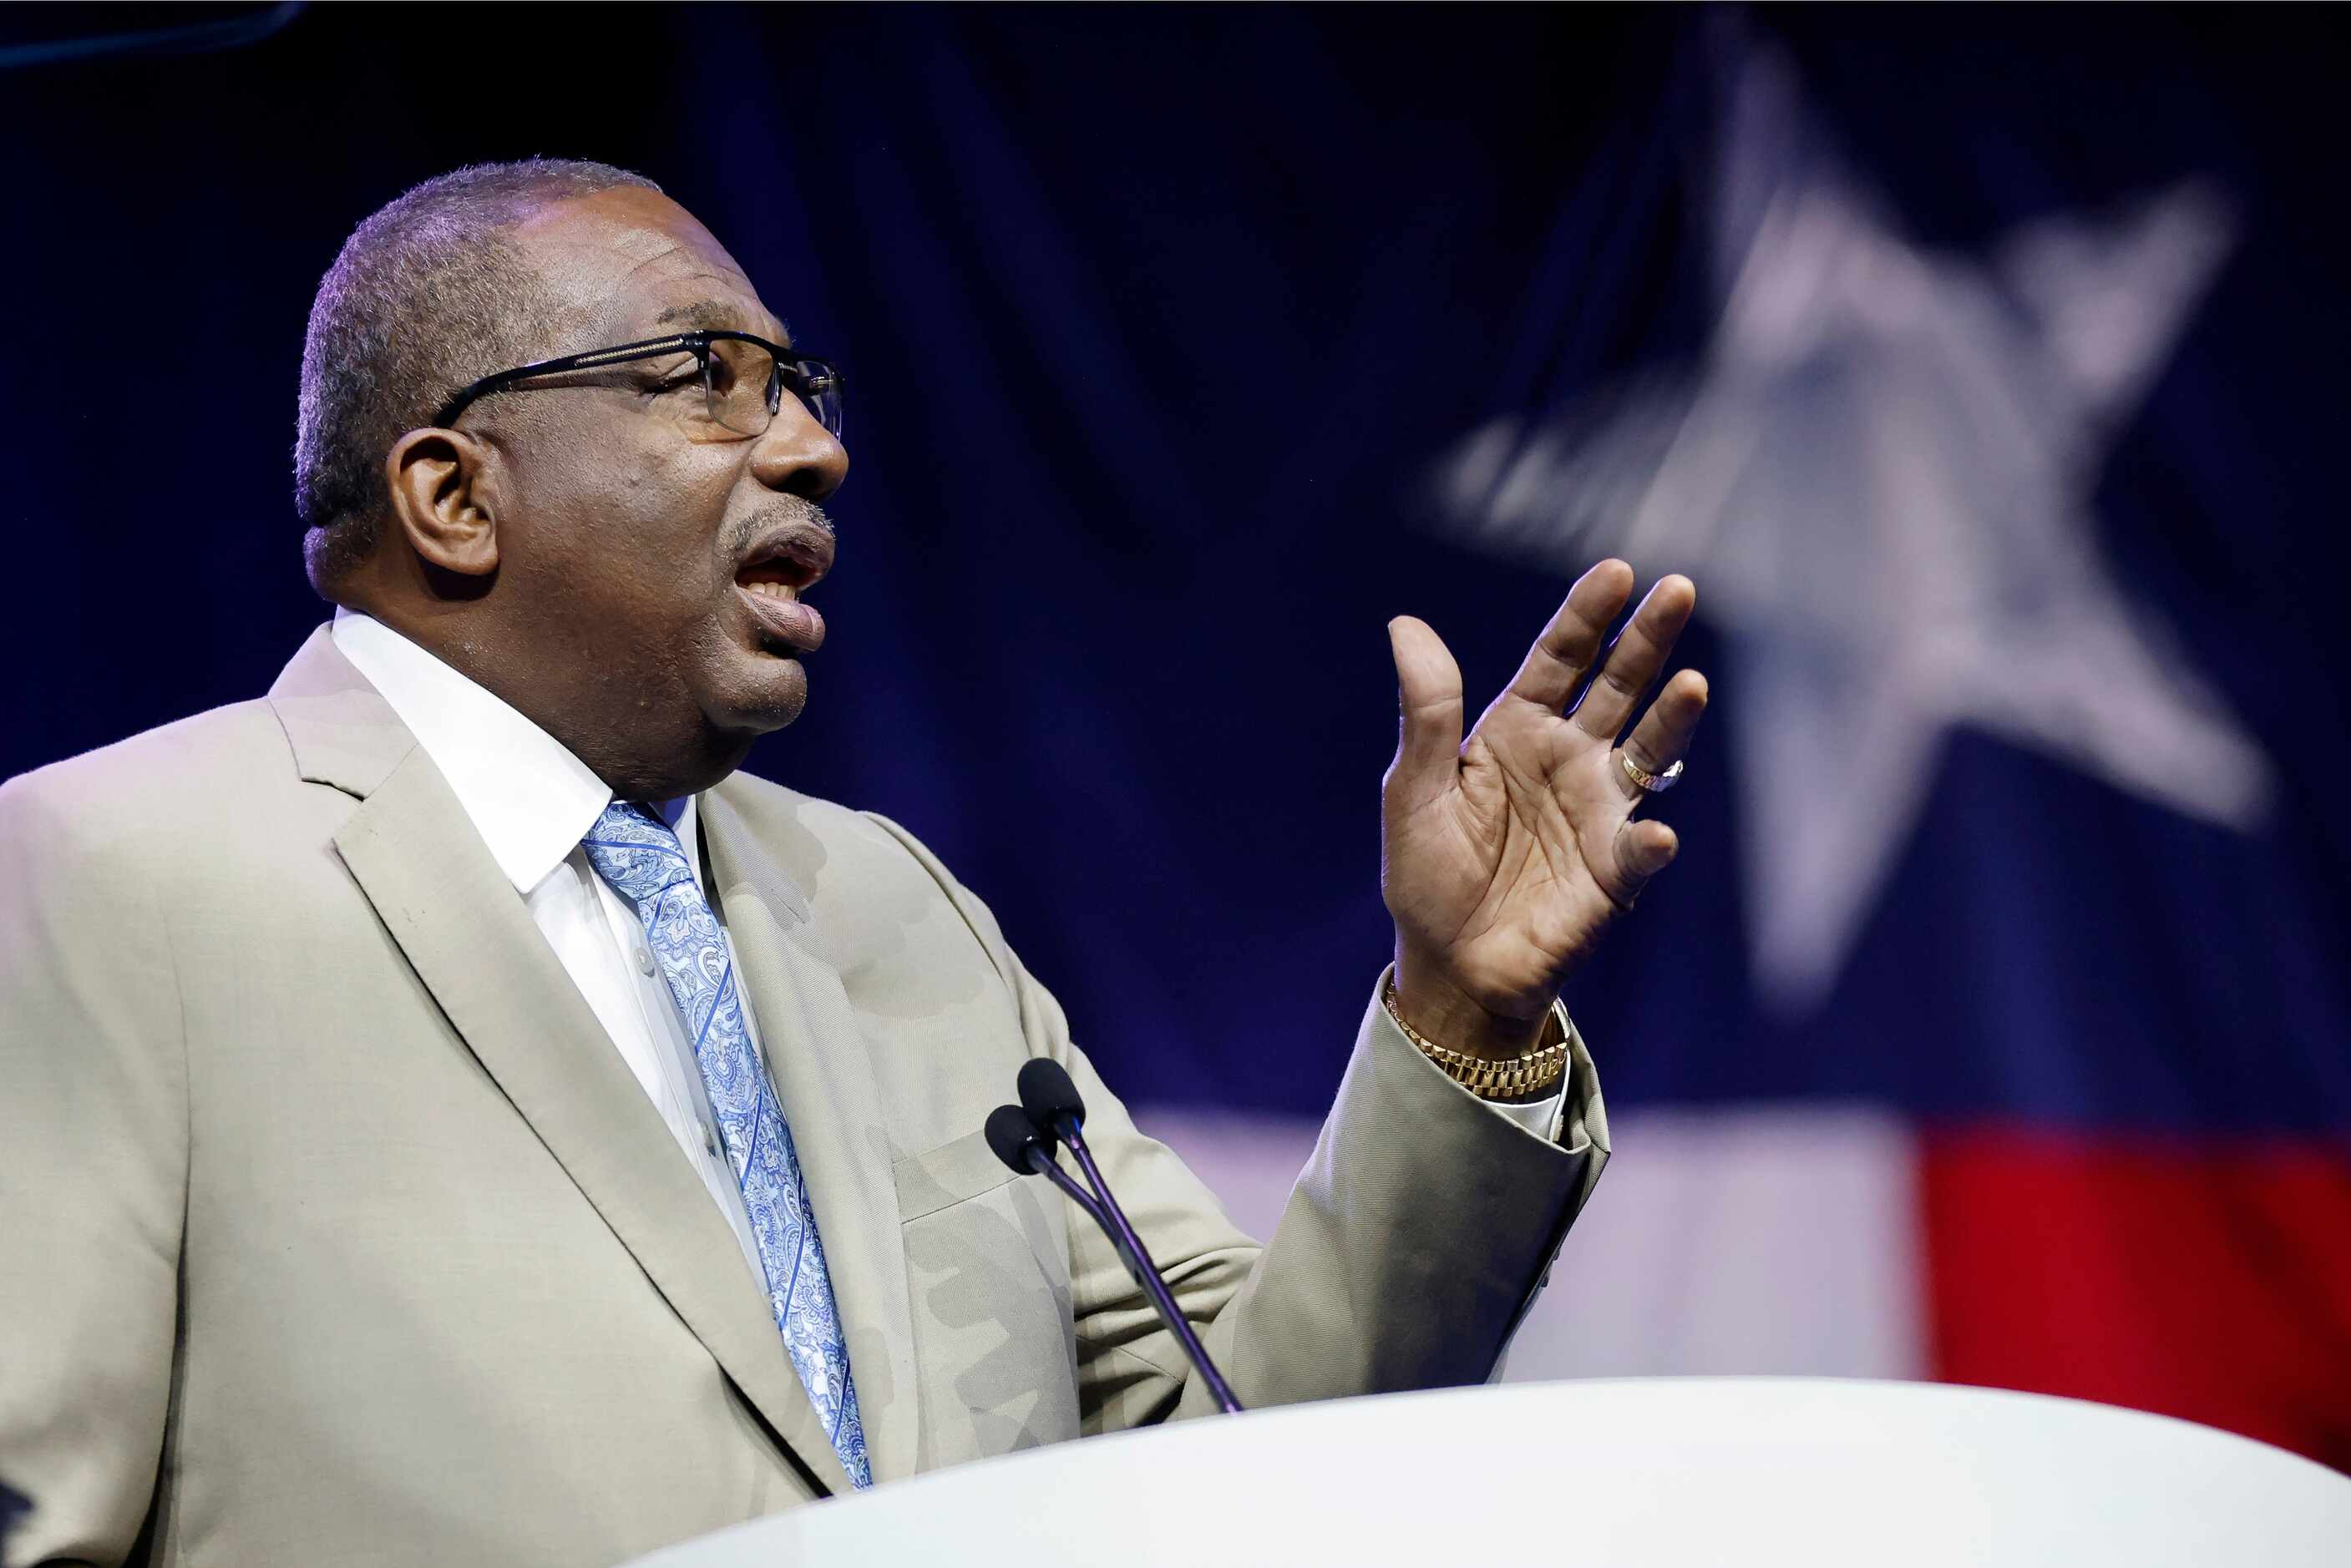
point(334, 1230)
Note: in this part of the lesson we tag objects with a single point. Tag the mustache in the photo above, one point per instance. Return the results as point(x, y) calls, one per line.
point(776, 514)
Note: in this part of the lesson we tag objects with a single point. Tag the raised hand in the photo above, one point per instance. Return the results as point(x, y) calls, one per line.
point(1504, 858)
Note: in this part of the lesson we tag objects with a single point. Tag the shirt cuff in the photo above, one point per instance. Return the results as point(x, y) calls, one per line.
point(1540, 1117)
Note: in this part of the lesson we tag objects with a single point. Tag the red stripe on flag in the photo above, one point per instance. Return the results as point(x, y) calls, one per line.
point(2175, 1274)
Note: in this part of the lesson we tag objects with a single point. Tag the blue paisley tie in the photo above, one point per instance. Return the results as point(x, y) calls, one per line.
point(642, 858)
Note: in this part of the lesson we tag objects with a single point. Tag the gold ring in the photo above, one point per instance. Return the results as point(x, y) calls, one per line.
point(1647, 782)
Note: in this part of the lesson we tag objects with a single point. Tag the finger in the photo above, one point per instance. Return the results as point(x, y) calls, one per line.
point(1555, 665)
point(1662, 738)
point(1641, 850)
point(1639, 654)
point(1428, 692)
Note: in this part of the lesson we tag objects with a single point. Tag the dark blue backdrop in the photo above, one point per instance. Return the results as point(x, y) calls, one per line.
point(1157, 320)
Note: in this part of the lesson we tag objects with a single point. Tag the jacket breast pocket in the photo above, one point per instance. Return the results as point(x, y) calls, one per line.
point(988, 1281)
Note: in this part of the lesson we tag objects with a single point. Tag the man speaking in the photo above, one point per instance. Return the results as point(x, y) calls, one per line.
point(451, 1116)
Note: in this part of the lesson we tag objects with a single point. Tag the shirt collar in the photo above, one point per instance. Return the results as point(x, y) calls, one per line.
point(528, 797)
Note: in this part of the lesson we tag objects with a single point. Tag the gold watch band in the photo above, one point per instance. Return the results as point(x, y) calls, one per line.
point(1516, 1079)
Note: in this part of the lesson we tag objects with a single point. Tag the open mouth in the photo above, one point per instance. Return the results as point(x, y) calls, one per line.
point(778, 567)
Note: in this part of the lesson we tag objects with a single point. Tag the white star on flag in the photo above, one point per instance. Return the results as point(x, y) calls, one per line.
point(1880, 477)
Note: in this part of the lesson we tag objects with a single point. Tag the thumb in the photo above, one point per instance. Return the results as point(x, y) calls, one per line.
point(1428, 691)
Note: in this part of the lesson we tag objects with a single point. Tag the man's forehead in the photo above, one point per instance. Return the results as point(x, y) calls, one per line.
point(633, 260)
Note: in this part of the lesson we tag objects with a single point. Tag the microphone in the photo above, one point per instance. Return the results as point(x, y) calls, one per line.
point(1051, 1110)
point(1019, 1143)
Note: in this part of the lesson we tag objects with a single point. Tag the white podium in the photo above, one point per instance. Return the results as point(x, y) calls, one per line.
point(1660, 1473)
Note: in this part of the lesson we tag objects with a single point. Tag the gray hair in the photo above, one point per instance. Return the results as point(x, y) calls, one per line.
point(427, 295)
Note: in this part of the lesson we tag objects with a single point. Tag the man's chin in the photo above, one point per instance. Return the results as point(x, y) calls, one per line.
point(766, 694)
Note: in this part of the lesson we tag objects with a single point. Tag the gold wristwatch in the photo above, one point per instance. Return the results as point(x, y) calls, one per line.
point(1519, 1079)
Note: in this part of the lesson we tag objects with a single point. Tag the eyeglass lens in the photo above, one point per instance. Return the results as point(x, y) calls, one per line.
point(746, 386)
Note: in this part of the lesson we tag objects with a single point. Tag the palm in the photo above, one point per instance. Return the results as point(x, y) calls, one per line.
point(1508, 855)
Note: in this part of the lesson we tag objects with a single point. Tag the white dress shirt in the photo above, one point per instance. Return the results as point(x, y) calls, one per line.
point(532, 802)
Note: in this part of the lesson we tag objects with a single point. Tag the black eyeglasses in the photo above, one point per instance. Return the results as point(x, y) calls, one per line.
point(734, 389)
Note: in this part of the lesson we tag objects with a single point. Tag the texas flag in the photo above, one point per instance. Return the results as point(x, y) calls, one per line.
point(2018, 1054)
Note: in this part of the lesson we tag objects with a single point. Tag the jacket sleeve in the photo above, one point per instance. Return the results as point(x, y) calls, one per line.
point(1417, 1234)
point(93, 1159)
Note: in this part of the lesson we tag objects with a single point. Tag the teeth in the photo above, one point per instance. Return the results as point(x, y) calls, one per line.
point(773, 590)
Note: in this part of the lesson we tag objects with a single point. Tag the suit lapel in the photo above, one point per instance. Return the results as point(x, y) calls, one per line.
point(817, 1057)
point(470, 939)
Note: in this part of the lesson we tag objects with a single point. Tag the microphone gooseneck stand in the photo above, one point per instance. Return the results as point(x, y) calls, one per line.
point(1023, 1137)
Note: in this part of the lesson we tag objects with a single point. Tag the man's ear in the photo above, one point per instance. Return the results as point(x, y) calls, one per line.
point(440, 499)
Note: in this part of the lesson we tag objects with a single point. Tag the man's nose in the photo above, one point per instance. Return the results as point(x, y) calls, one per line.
point(799, 456)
